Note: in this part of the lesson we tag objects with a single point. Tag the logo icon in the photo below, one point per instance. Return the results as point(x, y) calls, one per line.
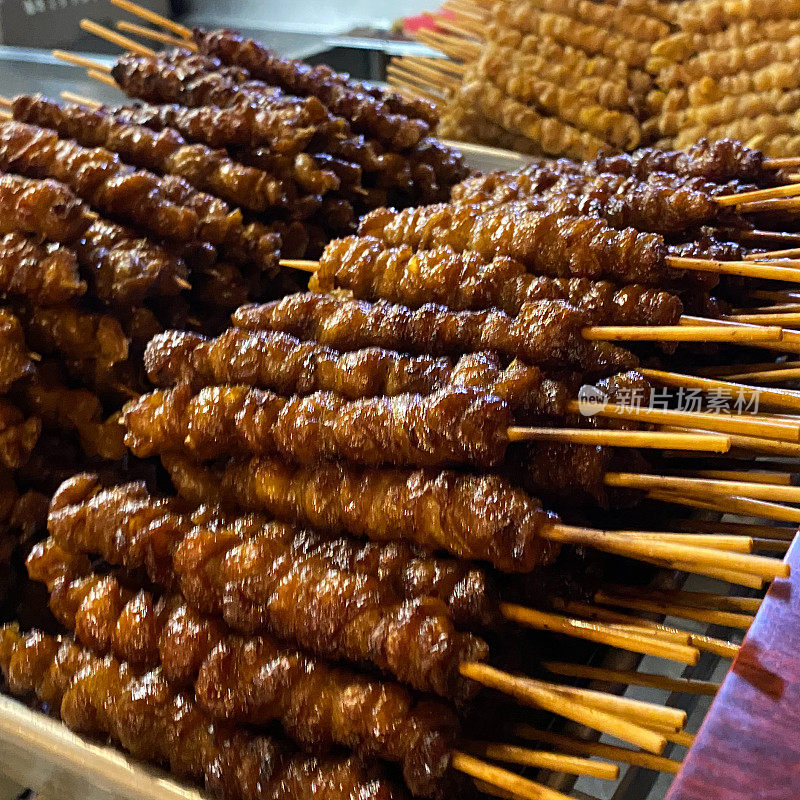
point(591, 400)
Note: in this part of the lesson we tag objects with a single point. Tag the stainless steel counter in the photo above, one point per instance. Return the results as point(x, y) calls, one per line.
point(23, 71)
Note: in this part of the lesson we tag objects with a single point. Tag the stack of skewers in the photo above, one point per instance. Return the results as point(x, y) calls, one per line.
point(731, 70)
point(575, 78)
point(541, 77)
point(367, 484)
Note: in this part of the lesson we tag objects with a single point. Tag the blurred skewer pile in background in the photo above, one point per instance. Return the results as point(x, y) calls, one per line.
point(578, 77)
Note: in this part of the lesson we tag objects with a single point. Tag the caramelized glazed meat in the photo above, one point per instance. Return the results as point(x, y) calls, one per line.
point(547, 242)
point(287, 365)
point(42, 274)
point(545, 333)
point(249, 577)
point(45, 208)
point(249, 680)
point(156, 723)
point(467, 281)
point(476, 517)
point(451, 426)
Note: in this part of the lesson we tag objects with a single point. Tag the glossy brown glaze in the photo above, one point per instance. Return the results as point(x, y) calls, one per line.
point(249, 680)
point(547, 242)
point(545, 333)
point(243, 572)
point(433, 510)
point(156, 723)
point(468, 282)
point(454, 425)
point(42, 274)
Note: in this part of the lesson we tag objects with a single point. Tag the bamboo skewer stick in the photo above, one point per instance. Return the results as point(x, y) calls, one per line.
point(651, 715)
point(787, 190)
point(774, 295)
point(503, 779)
point(777, 478)
point(734, 544)
point(417, 75)
point(411, 86)
point(125, 42)
point(679, 333)
point(763, 236)
point(733, 505)
point(493, 791)
point(725, 575)
point(633, 678)
point(782, 534)
point(542, 759)
point(783, 318)
point(412, 89)
point(727, 619)
point(769, 376)
point(80, 100)
point(775, 271)
point(792, 252)
point(702, 642)
point(718, 602)
point(681, 738)
point(781, 163)
point(739, 425)
point(530, 693)
point(768, 206)
point(629, 544)
point(102, 77)
point(599, 633)
point(774, 398)
point(707, 487)
point(611, 752)
point(155, 19)
point(80, 61)
point(712, 443)
point(149, 33)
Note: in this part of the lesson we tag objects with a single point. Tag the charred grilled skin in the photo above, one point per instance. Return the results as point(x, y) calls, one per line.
point(44, 208)
point(154, 722)
point(451, 426)
point(165, 152)
point(15, 362)
point(368, 114)
point(547, 243)
point(468, 282)
point(287, 365)
point(250, 578)
point(42, 274)
point(483, 518)
point(545, 333)
point(249, 680)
